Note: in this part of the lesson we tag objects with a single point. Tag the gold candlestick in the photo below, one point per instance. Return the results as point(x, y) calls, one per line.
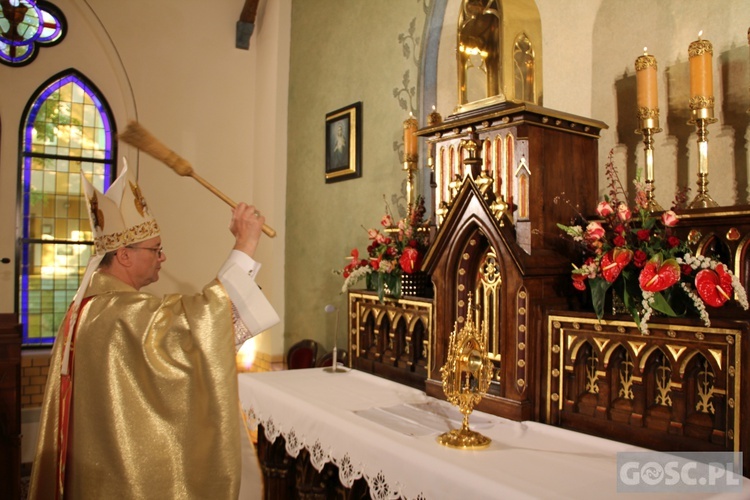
point(700, 54)
point(704, 117)
point(410, 167)
point(649, 125)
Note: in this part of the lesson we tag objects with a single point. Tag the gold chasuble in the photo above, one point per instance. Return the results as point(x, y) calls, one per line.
point(154, 410)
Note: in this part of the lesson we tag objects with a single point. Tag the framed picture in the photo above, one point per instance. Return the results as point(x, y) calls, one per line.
point(344, 143)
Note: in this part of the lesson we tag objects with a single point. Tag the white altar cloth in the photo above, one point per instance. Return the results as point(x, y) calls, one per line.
point(386, 432)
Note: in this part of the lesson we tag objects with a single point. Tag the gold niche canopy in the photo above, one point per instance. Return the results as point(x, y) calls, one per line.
point(499, 53)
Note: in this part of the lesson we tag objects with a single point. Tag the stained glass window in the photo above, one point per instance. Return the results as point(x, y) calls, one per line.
point(67, 129)
point(24, 26)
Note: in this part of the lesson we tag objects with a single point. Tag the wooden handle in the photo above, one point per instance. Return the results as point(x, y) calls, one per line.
point(269, 231)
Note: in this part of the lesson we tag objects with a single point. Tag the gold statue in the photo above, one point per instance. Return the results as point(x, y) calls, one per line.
point(466, 377)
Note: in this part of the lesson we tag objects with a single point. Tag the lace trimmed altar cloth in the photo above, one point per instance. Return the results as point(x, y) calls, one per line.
point(386, 432)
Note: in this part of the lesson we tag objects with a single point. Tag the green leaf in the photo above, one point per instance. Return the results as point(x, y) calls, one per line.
point(599, 287)
point(661, 304)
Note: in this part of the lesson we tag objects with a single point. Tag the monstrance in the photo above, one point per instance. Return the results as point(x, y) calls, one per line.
point(466, 377)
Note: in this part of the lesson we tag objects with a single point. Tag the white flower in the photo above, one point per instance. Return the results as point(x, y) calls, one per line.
point(354, 277)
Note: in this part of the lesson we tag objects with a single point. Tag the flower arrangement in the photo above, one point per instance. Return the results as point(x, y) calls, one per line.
point(638, 255)
point(395, 249)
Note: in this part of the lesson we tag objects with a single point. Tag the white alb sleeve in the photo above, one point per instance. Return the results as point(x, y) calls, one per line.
point(237, 275)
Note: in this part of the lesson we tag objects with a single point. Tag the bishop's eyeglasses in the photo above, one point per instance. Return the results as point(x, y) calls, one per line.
point(158, 250)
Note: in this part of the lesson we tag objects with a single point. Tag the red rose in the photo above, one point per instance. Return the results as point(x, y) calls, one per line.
point(686, 269)
point(669, 218)
point(410, 260)
point(619, 241)
point(673, 241)
point(640, 258)
point(643, 234)
point(604, 209)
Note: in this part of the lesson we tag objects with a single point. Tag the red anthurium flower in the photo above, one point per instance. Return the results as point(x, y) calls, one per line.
point(410, 260)
point(657, 275)
point(579, 281)
point(714, 287)
point(614, 261)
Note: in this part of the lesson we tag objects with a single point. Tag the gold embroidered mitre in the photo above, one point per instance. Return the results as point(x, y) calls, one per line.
point(120, 217)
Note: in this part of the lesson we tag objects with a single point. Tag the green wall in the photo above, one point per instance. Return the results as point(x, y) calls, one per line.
point(366, 52)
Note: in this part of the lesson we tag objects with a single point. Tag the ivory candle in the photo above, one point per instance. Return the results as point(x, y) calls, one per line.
point(410, 138)
point(645, 79)
point(701, 53)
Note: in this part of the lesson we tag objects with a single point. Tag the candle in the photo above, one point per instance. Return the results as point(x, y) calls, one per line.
point(645, 79)
point(434, 118)
point(410, 139)
point(700, 53)
point(334, 361)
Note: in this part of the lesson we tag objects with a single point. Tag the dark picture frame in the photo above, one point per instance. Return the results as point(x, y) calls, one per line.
point(344, 143)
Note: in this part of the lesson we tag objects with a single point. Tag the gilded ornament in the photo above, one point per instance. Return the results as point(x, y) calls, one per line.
point(733, 234)
point(648, 113)
point(521, 363)
point(645, 61)
point(701, 102)
point(694, 236)
point(699, 335)
point(555, 373)
point(700, 47)
point(555, 396)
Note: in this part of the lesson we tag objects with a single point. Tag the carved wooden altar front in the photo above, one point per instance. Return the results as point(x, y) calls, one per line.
point(678, 389)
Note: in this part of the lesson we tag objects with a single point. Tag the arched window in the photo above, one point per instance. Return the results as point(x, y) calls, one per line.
point(67, 128)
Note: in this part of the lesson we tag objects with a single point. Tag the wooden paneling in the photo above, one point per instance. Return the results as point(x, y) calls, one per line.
point(10, 406)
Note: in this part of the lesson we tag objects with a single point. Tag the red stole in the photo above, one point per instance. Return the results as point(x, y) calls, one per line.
point(66, 401)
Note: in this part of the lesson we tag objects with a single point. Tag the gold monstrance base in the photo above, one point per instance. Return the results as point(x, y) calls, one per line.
point(464, 439)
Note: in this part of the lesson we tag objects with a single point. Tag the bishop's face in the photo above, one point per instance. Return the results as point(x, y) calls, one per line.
point(147, 257)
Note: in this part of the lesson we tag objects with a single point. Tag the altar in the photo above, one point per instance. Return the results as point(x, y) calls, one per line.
point(371, 429)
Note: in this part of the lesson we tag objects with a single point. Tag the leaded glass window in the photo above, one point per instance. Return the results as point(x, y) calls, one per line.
point(24, 26)
point(67, 129)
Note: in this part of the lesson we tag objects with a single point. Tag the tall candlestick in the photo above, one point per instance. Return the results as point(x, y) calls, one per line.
point(645, 78)
point(410, 139)
point(701, 53)
point(648, 115)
